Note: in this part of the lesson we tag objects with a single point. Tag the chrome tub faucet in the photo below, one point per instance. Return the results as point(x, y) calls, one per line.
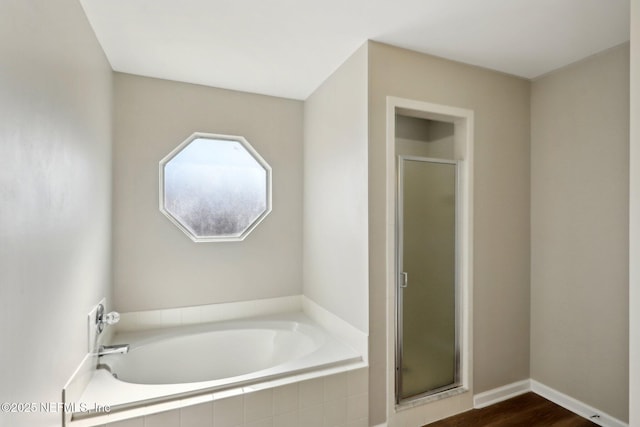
point(103, 350)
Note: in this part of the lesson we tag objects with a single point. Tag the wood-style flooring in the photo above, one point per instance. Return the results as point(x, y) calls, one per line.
point(527, 410)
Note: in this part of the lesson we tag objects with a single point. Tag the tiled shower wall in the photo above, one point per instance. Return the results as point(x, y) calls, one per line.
point(339, 400)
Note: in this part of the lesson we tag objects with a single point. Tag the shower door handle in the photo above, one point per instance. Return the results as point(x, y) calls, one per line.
point(404, 279)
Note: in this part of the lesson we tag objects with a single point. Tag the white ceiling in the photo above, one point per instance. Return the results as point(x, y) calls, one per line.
point(288, 48)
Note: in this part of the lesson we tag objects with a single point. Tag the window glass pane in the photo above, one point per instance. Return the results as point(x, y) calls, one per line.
point(215, 188)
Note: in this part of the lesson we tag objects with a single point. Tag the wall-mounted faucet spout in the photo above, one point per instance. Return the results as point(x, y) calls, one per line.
point(113, 349)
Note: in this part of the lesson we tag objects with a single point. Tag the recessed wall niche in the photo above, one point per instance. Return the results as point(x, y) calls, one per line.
point(425, 138)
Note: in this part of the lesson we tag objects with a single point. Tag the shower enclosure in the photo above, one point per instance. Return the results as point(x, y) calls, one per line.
point(430, 162)
point(428, 345)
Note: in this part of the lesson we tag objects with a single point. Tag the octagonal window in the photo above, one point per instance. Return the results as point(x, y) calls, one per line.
point(215, 187)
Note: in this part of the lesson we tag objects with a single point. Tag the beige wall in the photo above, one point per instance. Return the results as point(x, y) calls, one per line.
point(634, 216)
point(55, 191)
point(501, 182)
point(579, 230)
point(335, 193)
point(155, 264)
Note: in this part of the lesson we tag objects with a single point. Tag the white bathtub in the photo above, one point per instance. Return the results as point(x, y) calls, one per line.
point(175, 363)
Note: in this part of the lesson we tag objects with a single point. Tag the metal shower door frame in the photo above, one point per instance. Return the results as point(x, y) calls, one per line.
point(402, 282)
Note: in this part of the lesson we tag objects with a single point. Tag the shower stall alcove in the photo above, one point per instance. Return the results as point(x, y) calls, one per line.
point(429, 165)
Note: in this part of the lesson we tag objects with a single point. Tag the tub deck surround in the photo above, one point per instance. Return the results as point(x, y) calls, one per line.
point(164, 318)
point(338, 399)
point(170, 317)
point(170, 376)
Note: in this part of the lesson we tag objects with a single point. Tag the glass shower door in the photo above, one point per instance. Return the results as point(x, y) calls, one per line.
point(427, 348)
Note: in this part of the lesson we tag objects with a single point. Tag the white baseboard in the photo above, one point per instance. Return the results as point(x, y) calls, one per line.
point(508, 391)
point(576, 406)
point(499, 394)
